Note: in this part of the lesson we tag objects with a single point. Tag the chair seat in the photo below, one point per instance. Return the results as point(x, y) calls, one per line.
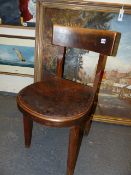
point(56, 101)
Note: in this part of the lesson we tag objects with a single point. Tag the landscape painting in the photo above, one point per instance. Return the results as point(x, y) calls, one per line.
point(17, 52)
point(115, 94)
point(16, 55)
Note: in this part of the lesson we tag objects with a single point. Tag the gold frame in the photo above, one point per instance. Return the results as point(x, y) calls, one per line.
point(80, 5)
point(112, 120)
point(86, 5)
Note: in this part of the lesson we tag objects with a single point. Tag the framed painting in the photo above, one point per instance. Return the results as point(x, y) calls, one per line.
point(114, 105)
point(17, 51)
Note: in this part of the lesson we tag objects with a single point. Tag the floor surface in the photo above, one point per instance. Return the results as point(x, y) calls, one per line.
point(106, 151)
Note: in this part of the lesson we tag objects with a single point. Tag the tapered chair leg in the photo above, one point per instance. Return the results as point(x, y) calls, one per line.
point(87, 127)
point(28, 125)
point(75, 139)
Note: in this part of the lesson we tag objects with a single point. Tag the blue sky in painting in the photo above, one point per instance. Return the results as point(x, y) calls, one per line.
point(122, 61)
point(124, 52)
point(8, 55)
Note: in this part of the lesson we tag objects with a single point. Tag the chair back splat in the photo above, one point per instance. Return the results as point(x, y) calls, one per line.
point(58, 102)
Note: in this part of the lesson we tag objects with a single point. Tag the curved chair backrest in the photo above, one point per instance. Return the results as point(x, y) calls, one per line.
point(101, 41)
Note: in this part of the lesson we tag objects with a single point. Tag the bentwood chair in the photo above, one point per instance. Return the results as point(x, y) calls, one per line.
point(58, 102)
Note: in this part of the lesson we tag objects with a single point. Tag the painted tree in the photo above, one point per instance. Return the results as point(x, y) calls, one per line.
point(95, 20)
point(86, 19)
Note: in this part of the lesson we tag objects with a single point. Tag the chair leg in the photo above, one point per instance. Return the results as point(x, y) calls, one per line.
point(28, 125)
point(87, 127)
point(75, 139)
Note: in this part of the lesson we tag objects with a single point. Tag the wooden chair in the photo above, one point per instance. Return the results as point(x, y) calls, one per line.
point(58, 102)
